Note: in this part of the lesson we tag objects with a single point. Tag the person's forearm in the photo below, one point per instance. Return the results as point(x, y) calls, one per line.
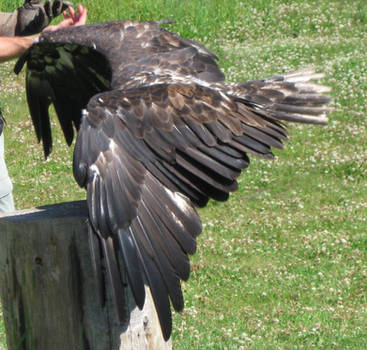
point(12, 47)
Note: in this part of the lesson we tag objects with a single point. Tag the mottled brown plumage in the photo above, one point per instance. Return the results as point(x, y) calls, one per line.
point(160, 133)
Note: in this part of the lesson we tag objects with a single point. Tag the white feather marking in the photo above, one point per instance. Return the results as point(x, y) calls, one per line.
point(112, 145)
point(304, 78)
point(180, 200)
point(312, 88)
point(225, 97)
point(165, 75)
point(181, 203)
point(94, 169)
point(145, 44)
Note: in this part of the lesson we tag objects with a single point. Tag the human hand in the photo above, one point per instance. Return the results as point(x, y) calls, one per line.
point(72, 18)
point(35, 15)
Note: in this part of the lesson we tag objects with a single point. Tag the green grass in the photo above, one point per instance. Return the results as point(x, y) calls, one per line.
point(282, 265)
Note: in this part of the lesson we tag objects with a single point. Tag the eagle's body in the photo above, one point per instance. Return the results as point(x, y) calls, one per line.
point(160, 133)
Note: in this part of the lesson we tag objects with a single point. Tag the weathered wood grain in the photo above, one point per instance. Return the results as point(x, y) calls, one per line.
point(50, 298)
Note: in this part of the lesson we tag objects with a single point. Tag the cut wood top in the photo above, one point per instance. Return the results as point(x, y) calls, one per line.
point(62, 211)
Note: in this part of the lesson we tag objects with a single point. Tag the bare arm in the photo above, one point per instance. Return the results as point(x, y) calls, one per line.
point(11, 47)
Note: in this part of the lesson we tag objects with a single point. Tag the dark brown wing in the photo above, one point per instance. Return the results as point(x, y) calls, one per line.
point(133, 47)
point(168, 135)
point(143, 154)
point(69, 66)
point(66, 75)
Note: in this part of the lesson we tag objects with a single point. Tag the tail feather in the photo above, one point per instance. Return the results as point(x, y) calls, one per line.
point(296, 76)
point(290, 97)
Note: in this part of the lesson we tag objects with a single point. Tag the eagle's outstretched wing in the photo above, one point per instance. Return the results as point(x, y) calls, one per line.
point(160, 133)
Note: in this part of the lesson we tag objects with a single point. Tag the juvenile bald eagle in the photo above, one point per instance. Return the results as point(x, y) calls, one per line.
point(159, 132)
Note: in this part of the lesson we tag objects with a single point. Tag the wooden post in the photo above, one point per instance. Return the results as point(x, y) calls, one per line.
point(49, 295)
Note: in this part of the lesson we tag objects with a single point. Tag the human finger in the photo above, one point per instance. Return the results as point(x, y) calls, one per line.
point(72, 13)
point(83, 12)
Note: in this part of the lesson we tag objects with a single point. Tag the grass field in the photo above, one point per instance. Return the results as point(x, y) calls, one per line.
point(283, 263)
